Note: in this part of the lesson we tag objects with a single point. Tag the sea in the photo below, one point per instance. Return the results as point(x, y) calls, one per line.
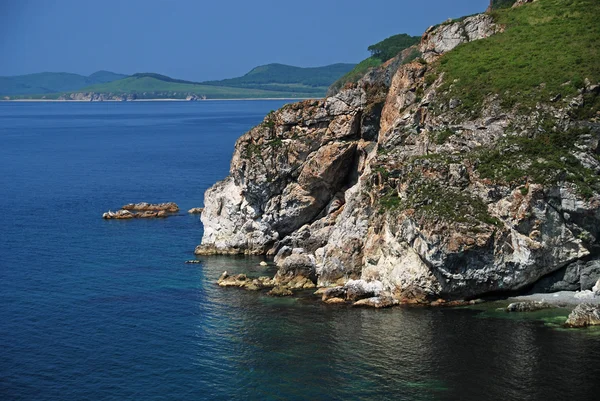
point(92, 309)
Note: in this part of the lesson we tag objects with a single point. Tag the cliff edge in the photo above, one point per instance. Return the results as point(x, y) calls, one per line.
point(415, 186)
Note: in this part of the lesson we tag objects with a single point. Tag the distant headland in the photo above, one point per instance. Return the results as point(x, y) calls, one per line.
point(272, 81)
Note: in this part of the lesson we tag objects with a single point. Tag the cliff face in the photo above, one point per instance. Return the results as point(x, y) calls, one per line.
point(392, 183)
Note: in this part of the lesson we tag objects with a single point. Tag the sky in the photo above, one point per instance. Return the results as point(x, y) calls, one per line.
point(203, 40)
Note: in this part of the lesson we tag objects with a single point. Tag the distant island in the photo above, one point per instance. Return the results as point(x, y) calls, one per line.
point(267, 81)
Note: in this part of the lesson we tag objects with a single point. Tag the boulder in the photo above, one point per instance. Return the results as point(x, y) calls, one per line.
point(376, 302)
point(296, 265)
point(528, 306)
point(335, 292)
point(584, 315)
point(359, 289)
point(169, 207)
point(280, 291)
point(196, 210)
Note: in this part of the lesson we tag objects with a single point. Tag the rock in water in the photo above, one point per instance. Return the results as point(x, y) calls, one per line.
point(142, 211)
point(169, 207)
point(280, 291)
point(196, 210)
point(584, 315)
point(376, 302)
point(528, 306)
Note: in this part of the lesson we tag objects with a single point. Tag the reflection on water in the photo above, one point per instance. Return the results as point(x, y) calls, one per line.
point(107, 310)
point(300, 349)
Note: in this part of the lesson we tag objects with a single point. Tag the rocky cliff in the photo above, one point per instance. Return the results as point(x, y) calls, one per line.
point(392, 184)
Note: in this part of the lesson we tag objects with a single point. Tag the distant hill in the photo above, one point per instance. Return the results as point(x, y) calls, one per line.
point(156, 86)
point(52, 82)
point(286, 77)
point(268, 81)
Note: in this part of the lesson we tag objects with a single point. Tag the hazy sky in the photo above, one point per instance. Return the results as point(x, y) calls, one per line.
point(201, 40)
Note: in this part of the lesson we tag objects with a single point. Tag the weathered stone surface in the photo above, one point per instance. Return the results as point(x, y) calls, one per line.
point(196, 210)
point(584, 315)
point(596, 288)
point(446, 37)
point(294, 266)
point(576, 276)
point(374, 185)
point(280, 291)
point(169, 207)
point(528, 306)
point(127, 214)
point(376, 302)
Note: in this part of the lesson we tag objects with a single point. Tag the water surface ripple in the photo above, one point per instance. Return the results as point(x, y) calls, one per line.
point(106, 310)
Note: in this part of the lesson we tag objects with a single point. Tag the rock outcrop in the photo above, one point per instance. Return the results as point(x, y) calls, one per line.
point(584, 315)
point(388, 183)
point(528, 306)
point(142, 210)
point(169, 207)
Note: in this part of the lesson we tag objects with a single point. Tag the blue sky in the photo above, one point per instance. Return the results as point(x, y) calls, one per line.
point(201, 40)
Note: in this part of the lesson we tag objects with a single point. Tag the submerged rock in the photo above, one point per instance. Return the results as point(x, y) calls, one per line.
point(584, 315)
point(528, 306)
point(280, 291)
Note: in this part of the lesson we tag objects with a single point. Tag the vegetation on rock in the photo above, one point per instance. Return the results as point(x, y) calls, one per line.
point(546, 52)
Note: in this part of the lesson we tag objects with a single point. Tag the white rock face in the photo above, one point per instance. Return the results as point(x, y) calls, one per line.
point(399, 215)
point(446, 37)
point(596, 288)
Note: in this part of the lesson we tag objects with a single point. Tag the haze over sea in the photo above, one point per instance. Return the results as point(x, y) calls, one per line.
point(107, 310)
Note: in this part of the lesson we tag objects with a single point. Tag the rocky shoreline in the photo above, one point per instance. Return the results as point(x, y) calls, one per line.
point(391, 192)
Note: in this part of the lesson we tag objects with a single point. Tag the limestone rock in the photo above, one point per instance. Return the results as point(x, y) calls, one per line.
point(376, 302)
point(528, 306)
point(384, 183)
point(280, 291)
point(169, 207)
point(196, 210)
point(584, 315)
point(446, 37)
point(596, 289)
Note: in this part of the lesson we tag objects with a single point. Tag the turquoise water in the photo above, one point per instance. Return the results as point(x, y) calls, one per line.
point(107, 310)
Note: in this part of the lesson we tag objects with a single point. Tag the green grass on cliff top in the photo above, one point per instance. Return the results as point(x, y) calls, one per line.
point(545, 45)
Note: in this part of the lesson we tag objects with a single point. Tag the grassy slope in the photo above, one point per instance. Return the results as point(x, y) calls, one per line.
point(285, 74)
point(549, 48)
point(51, 82)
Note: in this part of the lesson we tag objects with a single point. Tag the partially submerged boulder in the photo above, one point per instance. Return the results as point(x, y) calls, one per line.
point(528, 306)
point(377, 302)
point(142, 210)
point(584, 315)
point(170, 207)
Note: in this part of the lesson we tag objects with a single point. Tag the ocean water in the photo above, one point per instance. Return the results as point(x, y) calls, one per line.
point(107, 310)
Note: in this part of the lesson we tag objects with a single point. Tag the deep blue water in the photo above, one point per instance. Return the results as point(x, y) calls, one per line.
point(107, 310)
